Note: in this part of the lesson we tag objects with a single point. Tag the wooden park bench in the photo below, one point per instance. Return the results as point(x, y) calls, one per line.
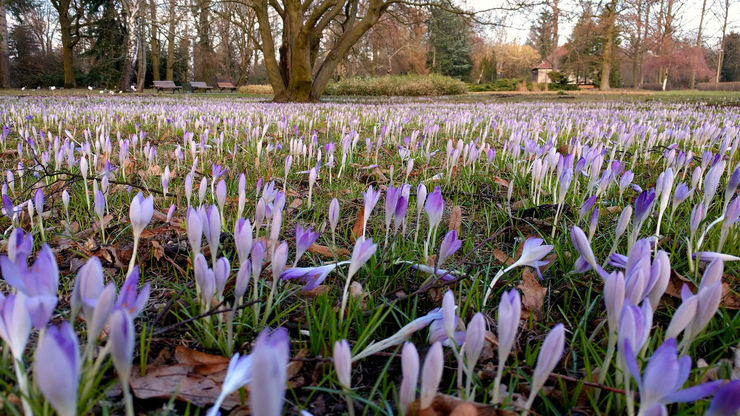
point(166, 85)
point(198, 85)
point(226, 86)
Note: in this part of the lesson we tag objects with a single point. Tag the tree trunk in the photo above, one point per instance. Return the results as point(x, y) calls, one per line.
point(154, 44)
point(170, 70)
point(65, 25)
point(722, 43)
point(4, 50)
point(692, 81)
point(141, 55)
point(606, 63)
point(130, 46)
point(555, 26)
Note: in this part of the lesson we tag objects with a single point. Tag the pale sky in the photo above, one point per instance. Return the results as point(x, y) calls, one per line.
point(517, 24)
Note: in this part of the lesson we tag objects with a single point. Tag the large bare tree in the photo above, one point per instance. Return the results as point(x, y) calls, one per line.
point(313, 37)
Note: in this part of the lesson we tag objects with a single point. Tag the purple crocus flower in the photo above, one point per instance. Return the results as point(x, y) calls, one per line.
point(312, 277)
point(333, 214)
point(243, 239)
point(20, 246)
point(140, 213)
point(725, 401)
point(586, 260)
point(370, 198)
point(664, 376)
point(550, 353)
point(212, 229)
point(363, 250)
point(709, 256)
point(343, 363)
point(410, 370)
point(431, 375)
point(194, 230)
point(269, 365)
point(643, 205)
point(39, 283)
point(681, 193)
point(532, 254)
point(450, 244)
point(38, 202)
point(57, 368)
point(586, 207)
point(304, 238)
point(121, 339)
point(15, 323)
point(238, 375)
point(130, 298)
point(434, 207)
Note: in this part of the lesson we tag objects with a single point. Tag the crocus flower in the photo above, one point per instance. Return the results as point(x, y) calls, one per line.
point(370, 198)
point(242, 280)
point(238, 375)
point(725, 401)
point(15, 323)
point(221, 271)
point(509, 313)
point(39, 283)
point(311, 277)
point(431, 375)
point(587, 260)
point(269, 365)
point(410, 370)
point(475, 338)
point(402, 335)
point(212, 230)
point(243, 239)
point(19, 246)
point(333, 215)
point(195, 231)
point(450, 244)
point(343, 363)
point(140, 213)
point(434, 207)
point(709, 256)
point(532, 254)
point(664, 376)
point(548, 357)
point(171, 212)
point(188, 188)
point(304, 238)
point(129, 297)
point(363, 250)
point(643, 205)
point(57, 368)
point(121, 338)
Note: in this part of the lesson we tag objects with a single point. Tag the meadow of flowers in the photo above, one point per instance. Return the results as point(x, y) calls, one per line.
point(196, 255)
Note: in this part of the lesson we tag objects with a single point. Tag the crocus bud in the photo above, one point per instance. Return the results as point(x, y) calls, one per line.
point(121, 339)
point(450, 244)
point(140, 213)
point(15, 323)
point(242, 279)
point(509, 313)
point(421, 196)
point(548, 357)
point(195, 230)
point(98, 317)
point(431, 375)
point(624, 220)
point(212, 228)
point(57, 368)
point(221, 271)
point(99, 205)
point(434, 207)
point(269, 366)
point(243, 239)
point(410, 369)
point(38, 202)
point(697, 216)
point(171, 212)
point(65, 200)
point(221, 193)
point(343, 363)
point(449, 317)
point(333, 214)
point(363, 250)
point(474, 339)
point(202, 188)
point(258, 255)
point(188, 187)
point(279, 258)
point(614, 298)
point(238, 375)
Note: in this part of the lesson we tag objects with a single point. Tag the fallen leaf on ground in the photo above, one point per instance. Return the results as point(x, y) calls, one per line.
point(325, 251)
point(357, 227)
point(533, 293)
point(455, 219)
point(196, 377)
